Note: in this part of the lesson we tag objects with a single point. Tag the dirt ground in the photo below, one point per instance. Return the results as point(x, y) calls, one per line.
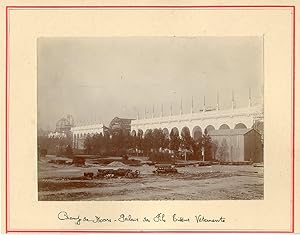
point(216, 182)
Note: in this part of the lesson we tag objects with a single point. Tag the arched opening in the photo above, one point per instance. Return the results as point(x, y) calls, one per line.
point(224, 126)
point(156, 133)
point(148, 131)
point(210, 128)
point(166, 132)
point(174, 131)
point(185, 132)
point(240, 126)
point(197, 133)
point(155, 129)
point(133, 133)
point(140, 133)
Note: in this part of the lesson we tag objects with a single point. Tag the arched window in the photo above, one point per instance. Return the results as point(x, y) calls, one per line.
point(224, 126)
point(197, 133)
point(174, 131)
point(140, 133)
point(133, 133)
point(185, 132)
point(210, 128)
point(240, 126)
point(166, 132)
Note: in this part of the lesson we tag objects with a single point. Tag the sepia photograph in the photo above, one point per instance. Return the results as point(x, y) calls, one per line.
point(150, 118)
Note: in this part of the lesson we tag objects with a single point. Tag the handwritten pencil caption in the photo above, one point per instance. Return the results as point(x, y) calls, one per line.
point(123, 218)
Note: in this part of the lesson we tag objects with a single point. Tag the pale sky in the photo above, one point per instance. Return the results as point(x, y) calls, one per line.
point(97, 79)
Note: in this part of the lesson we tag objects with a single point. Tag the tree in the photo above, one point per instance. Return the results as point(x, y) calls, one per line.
point(127, 142)
point(187, 141)
point(166, 141)
point(97, 143)
point(69, 150)
point(207, 145)
point(175, 141)
point(148, 142)
point(54, 145)
point(106, 142)
point(138, 140)
point(61, 144)
point(88, 144)
point(158, 139)
point(197, 146)
point(117, 141)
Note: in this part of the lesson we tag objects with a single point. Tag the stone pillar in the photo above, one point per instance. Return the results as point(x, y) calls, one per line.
point(192, 105)
point(232, 101)
point(249, 102)
point(204, 107)
point(152, 111)
point(217, 108)
point(181, 106)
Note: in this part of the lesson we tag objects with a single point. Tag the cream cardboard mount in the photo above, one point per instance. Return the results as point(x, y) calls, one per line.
point(236, 164)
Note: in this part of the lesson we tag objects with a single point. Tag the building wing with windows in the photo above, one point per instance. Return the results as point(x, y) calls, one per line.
point(80, 133)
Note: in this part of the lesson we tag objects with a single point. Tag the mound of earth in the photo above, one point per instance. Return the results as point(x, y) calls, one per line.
point(116, 164)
